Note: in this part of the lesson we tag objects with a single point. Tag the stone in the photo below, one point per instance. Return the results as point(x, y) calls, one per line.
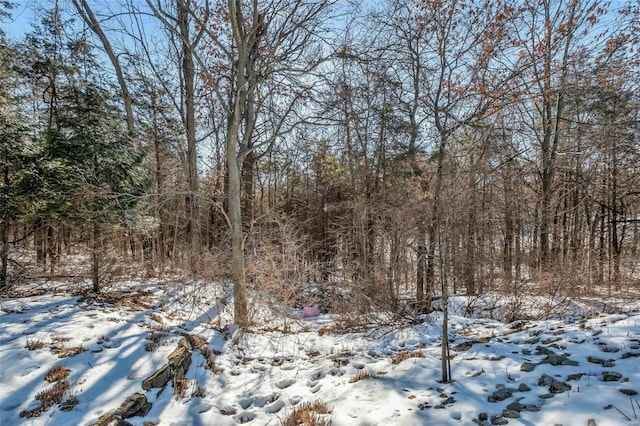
point(180, 359)
point(557, 360)
point(498, 421)
point(500, 395)
point(134, 405)
point(483, 417)
point(591, 422)
point(159, 379)
point(576, 376)
point(528, 367)
point(629, 392)
point(607, 363)
point(611, 376)
point(510, 414)
point(542, 350)
point(515, 406)
point(555, 386)
point(523, 388)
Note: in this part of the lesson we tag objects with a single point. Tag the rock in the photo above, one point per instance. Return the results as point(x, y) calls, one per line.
point(526, 352)
point(556, 360)
point(555, 386)
point(629, 392)
point(542, 350)
point(159, 379)
point(546, 396)
point(523, 388)
point(611, 376)
point(180, 359)
point(607, 363)
point(515, 406)
point(532, 341)
point(576, 376)
point(498, 421)
point(591, 422)
point(510, 414)
point(134, 405)
point(483, 417)
point(500, 395)
point(528, 367)
point(177, 365)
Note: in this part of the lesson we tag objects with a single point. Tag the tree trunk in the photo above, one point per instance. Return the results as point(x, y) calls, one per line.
point(188, 75)
point(95, 258)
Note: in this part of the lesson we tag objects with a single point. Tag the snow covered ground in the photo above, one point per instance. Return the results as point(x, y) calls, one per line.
point(567, 371)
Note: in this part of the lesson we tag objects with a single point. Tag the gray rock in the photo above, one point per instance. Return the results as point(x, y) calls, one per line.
point(611, 376)
point(629, 392)
point(500, 395)
point(528, 367)
point(607, 363)
point(158, 379)
point(542, 350)
point(510, 414)
point(555, 386)
point(498, 421)
point(515, 406)
point(576, 376)
point(523, 388)
point(556, 360)
point(134, 405)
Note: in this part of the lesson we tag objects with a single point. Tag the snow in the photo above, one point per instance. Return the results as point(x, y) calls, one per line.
point(267, 373)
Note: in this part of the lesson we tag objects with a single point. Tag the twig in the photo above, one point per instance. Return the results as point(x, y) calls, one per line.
point(618, 410)
point(635, 416)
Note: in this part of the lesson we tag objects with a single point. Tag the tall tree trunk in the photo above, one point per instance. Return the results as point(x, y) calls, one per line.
point(95, 258)
point(188, 75)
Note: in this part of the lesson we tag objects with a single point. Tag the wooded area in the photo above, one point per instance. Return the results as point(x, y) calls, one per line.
point(385, 153)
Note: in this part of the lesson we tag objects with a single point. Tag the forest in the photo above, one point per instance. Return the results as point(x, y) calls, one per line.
point(385, 154)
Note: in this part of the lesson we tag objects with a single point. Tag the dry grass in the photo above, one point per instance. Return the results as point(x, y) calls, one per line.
point(154, 340)
point(210, 357)
point(156, 317)
point(199, 392)
point(47, 398)
point(57, 373)
point(34, 344)
point(134, 301)
point(180, 386)
point(60, 339)
point(66, 351)
point(363, 375)
point(402, 356)
point(308, 414)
